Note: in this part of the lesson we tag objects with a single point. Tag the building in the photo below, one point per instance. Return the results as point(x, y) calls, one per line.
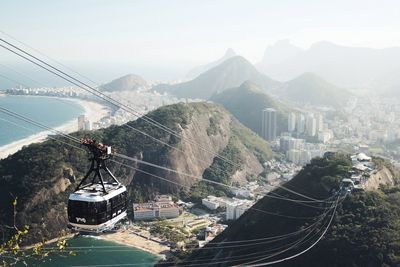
point(300, 124)
point(268, 124)
point(311, 125)
point(237, 207)
point(292, 122)
point(81, 122)
point(88, 125)
point(210, 202)
point(319, 122)
point(161, 207)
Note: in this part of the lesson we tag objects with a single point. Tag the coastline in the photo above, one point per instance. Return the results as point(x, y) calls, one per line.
point(92, 110)
point(128, 238)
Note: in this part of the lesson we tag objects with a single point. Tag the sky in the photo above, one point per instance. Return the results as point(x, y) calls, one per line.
point(162, 40)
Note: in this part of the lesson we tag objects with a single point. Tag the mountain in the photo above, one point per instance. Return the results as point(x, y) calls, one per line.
point(246, 103)
point(280, 52)
point(193, 73)
point(128, 82)
point(312, 89)
point(231, 73)
point(364, 230)
point(42, 175)
point(351, 67)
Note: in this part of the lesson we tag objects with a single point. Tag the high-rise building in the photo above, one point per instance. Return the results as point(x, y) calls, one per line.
point(320, 122)
point(291, 122)
point(268, 124)
point(300, 123)
point(311, 125)
point(81, 122)
point(88, 125)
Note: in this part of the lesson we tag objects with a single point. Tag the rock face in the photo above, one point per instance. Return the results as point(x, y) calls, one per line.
point(43, 175)
point(382, 177)
point(128, 82)
point(208, 132)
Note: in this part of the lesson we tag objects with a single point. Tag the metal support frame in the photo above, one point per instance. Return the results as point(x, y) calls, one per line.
point(97, 164)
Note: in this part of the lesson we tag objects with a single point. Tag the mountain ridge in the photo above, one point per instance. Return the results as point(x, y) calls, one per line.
point(230, 73)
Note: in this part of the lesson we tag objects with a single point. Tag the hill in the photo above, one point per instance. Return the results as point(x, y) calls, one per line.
point(128, 82)
point(231, 73)
point(43, 175)
point(309, 88)
point(364, 231)
point(246, 103)
point(349, 67)
point(193, 73)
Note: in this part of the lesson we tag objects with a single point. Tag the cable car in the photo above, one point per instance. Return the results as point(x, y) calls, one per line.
point(99, 204)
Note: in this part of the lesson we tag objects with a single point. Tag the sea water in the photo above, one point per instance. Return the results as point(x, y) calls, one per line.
point(96, 252)
point(50, 111)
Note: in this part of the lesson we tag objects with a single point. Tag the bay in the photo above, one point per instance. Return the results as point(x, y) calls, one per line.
point(50, 111)
point(96, 252)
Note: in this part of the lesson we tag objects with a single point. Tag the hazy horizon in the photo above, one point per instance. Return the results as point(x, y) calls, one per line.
point(163, 40)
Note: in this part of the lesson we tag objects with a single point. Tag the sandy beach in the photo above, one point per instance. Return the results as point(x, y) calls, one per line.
point(93, 111)
point(126, 237)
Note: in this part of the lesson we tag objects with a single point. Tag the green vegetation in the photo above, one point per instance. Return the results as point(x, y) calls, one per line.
point(246, 104)
point(43, 175)
point(225, 166)
point(254, 143)
point(365, 231)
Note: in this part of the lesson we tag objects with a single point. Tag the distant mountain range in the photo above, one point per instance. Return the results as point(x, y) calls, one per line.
point(351, 67)
point(309, 88)
point(193, 73)
point(246, 103)
point(128, 82)
point(229, 74)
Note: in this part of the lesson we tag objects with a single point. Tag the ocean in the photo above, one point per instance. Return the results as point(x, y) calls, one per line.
point(52, 112)
point(96, 252)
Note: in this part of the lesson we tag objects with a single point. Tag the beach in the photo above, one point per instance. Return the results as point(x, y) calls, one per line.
point(129, 238)
point(93, 112)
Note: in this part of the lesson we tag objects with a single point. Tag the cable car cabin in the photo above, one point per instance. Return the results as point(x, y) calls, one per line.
point(91, 209)
point(99, 204)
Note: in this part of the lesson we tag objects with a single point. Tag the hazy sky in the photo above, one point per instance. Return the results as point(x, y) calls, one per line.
point(175, 35)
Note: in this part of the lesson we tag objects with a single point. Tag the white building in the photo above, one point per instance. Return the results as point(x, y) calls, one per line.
point(300, 124)
point(292, 122)
point(311, 125)
point(88, 125)
point(211, 202)
point(81, 122)
point(236, 208)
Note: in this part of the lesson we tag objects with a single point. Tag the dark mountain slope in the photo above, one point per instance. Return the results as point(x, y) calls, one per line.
point(247, 102)
point(364, 232)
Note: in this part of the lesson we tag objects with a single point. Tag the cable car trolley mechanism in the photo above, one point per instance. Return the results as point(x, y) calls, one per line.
point(98, 205)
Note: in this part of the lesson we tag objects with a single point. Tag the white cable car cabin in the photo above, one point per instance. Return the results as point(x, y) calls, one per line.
point(99, 205)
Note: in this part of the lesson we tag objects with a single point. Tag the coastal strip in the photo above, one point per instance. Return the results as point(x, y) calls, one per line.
point(93, 111)
point(129, 238)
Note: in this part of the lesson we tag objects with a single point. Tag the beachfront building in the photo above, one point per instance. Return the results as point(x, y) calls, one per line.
point(161, 207)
